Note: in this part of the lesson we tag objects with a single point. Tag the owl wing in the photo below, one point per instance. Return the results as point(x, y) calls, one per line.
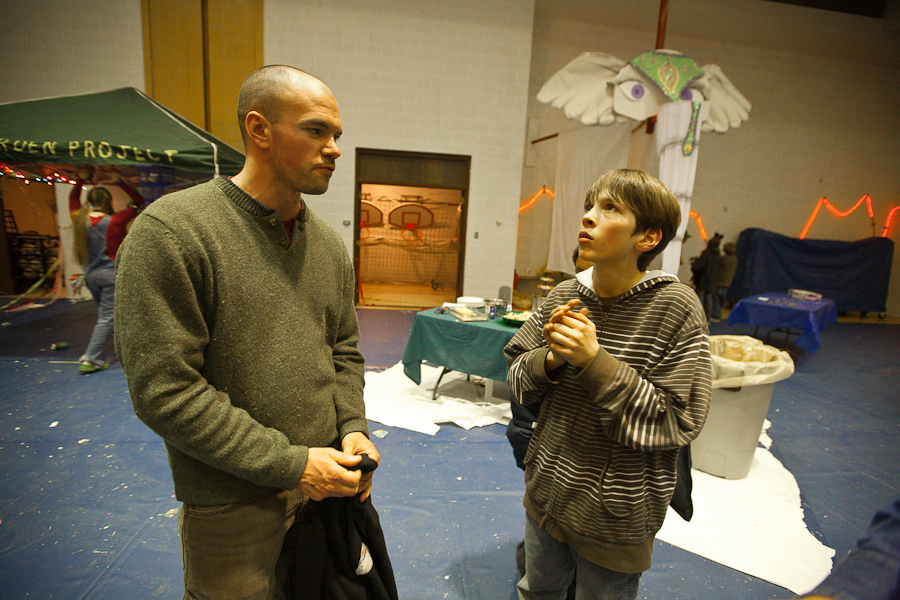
point(580, 89)
point(728, 107)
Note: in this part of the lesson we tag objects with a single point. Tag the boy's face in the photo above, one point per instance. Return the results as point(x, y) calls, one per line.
point(607, 235)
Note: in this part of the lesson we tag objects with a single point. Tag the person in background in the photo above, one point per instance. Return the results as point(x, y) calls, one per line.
point(872, 570)
point(98, 233)
point(723, 277)
point(703, 269)
point(620, 359)
point(237, 330)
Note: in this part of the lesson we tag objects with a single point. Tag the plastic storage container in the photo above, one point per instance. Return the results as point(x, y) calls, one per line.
point(744, 375)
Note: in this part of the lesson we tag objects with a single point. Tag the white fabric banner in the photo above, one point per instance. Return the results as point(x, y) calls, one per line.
point(70, 264)
point(676, 170)
point(583, 155)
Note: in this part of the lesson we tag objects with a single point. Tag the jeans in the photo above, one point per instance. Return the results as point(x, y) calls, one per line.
point(870, 572)
point(706, 300)
point(102, 285)
point(550, 566)
point(232, 551)
point(720, 294)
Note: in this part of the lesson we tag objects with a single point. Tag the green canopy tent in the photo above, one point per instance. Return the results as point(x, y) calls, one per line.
point(122, 127)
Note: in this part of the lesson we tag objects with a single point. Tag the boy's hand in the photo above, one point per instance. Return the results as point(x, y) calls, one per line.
point(555, 317)
point(555, 361)
point(571, 335)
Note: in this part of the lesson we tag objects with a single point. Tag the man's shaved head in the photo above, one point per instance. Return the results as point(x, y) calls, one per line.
point(264, 90)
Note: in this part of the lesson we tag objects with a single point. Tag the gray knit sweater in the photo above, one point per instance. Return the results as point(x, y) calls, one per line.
point(600, 469)
point(240, 348)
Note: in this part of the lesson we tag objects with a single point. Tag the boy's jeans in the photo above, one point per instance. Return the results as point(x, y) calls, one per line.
point(550, 566)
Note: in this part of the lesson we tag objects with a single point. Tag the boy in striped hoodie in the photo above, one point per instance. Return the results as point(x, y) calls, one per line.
point(620, 357)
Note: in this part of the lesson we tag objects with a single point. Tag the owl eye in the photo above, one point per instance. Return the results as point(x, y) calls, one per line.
point(692, 94)
point(637, 91)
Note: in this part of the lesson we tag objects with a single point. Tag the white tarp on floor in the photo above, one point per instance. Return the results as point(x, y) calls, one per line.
point(753, 525)
point(395, 400)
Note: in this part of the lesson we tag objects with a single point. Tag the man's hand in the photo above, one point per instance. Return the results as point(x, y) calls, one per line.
point(326, 474)
point(571, 335)
point(357, 443)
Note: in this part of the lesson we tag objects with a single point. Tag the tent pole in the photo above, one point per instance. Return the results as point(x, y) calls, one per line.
point(661, 24)
point(660, 44)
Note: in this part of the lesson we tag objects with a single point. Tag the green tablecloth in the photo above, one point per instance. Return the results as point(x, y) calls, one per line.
point(471, 347)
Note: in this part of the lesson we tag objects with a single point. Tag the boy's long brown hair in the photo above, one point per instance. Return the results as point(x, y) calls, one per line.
point(653, 205)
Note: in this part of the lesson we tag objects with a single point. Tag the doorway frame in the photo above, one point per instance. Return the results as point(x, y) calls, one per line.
point(412, 169)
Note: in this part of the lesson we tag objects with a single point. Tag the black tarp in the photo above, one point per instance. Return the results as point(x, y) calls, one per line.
point(853, 274)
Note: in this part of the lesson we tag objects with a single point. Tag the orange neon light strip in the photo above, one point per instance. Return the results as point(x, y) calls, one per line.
point(697, 218)
point(887, 222)
point(534, 198)
point(823, 201)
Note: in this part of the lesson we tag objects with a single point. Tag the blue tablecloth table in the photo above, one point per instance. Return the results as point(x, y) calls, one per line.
point(786, 313)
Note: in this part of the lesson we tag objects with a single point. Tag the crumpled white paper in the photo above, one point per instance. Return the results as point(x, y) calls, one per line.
point(395, 400)
point(753, 525)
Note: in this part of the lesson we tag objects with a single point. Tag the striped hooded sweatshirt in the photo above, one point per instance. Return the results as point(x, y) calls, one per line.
point(600, 469)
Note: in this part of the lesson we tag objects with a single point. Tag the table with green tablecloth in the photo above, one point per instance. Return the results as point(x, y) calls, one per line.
point(471, 347)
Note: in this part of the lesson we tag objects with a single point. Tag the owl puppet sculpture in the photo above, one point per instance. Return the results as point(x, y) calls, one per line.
point(599, 89)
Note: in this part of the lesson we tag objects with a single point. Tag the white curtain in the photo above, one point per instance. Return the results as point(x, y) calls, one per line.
point(583, 155)
point(676, 170)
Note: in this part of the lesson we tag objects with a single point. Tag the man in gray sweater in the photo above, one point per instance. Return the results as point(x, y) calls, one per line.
point(236, 326)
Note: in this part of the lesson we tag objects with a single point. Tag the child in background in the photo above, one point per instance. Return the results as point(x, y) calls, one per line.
point(99, 231)
point(620, 359)
point(724, 275)
point(704, 269)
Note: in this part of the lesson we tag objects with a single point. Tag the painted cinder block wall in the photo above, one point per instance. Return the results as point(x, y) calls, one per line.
point(824, 88)
point(461, 77)
point(442, 77)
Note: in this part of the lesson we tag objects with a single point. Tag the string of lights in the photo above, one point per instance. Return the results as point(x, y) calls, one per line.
point(7, 171)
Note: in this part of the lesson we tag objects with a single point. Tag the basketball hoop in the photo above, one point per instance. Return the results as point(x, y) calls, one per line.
point(416, 234)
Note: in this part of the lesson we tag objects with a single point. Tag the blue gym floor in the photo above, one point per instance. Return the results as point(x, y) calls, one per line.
point(87, 512)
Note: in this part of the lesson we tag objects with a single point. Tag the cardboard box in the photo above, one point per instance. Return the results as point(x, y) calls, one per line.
point(804, 295)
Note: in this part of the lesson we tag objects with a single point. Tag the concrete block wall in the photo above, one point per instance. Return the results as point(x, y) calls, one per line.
point(64, 47)
point(411, 75)
point(460, 78)
point(823, 122)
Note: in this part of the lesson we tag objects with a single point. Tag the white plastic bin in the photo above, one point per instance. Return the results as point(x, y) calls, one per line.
point(744, 375)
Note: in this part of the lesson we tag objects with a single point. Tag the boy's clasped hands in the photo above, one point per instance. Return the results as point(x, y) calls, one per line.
point(571, 335)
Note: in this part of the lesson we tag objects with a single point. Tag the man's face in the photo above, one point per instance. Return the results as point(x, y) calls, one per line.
point(304, 139)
